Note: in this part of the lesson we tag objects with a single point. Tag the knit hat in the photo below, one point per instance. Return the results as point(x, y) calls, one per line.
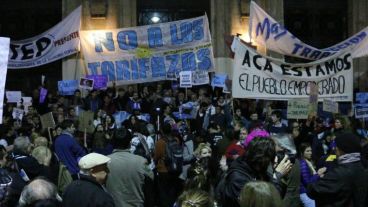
point(348, 142)
point(255, 133)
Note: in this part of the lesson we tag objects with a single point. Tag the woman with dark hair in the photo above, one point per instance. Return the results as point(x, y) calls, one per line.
point(253, 165)
point(308, 173)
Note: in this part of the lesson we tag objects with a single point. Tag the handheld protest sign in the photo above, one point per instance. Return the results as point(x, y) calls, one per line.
point(86, 83)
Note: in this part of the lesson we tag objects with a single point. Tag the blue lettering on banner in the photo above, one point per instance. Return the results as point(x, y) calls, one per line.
point(93, 67)
point(204, 59)
point(107, 42)
point(198, 29)
point(154, 37)
point(174, 61)
point(188, 61)
point(158, 67)
point(143, 67)
point(127, 40)
point(122, 70)
point(108, 69)
point(188, 32)
point(134, 68)
point(266, 27)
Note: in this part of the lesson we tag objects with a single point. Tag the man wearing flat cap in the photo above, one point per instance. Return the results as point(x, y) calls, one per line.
point(88, 189)
point(347, 184)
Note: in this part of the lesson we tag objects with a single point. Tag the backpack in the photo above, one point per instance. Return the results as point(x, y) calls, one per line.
point(174, 157)
point(64, 176)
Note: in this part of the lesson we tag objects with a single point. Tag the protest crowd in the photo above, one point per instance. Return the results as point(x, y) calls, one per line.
point(171, 147)
point(129, 134)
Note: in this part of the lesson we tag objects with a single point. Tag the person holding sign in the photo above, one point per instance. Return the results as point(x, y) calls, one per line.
point(68, 149)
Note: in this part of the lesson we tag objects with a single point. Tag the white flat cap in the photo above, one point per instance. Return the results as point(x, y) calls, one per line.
point(92, 160)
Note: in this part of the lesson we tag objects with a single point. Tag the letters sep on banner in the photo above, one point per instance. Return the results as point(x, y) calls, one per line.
point(58, 42)
point(149, 53)
point(266, 31)
point(260, 77)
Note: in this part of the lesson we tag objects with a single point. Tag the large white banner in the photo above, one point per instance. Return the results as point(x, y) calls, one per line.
point(266, 31)
point(58, 42)
point(149, 53)
point(260, 77)
point(4, 53)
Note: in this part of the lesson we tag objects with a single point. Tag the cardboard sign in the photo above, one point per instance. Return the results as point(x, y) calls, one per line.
point(298, 109)
point(85, 120)
point(86, 83)
point(13, 96)
point(47, 120)
point(330, 106)
point(185, 79)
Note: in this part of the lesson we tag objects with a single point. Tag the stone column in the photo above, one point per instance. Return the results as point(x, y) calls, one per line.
point(357, 20)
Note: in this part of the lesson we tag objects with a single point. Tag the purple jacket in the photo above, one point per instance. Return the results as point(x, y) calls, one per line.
point(306, 176)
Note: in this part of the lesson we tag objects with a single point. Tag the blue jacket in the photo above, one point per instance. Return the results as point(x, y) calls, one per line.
point(69, 151)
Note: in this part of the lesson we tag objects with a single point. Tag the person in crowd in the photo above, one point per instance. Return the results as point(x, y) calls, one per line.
point(203, 150)
point(260, 194)
point(188, 154)
point(92, 101)
point(276, 126)
point(308, 173)
point(23, 161)
point(218, 118)
point(77, 99)
point(67, 149)
point(108, 105)
point(259, 156)
point(100, 141)
point(98, 117)
point(134, 103)
point(168, 184)
point(195, 198)
point(42, 154)
point(236, 148)
point(346, 184)
point(90, 183)
point(128, 173)
point(238, 117)
point(40, 141)
point(39, 191)
point(141, 144)
point(72, 115)
point(5, 178)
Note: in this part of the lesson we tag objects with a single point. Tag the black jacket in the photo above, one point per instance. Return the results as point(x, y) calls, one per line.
point(344, 186)
point(239, 174)
point(86, 192)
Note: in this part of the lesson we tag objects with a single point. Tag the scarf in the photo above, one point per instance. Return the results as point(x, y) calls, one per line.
point(348, 158)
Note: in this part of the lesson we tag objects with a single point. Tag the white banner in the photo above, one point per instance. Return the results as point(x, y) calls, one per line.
point(149, 53)
point(266, 31)
point(257, 76)
point(4, 53)
point(58, 42)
